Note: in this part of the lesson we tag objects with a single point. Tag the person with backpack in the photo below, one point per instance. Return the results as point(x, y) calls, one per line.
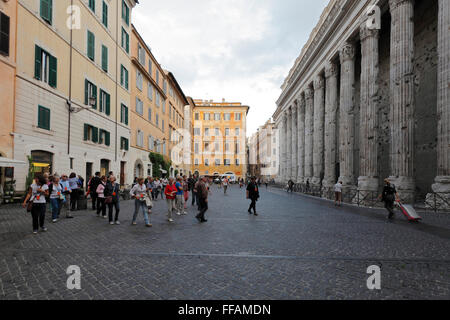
point(389, 196)
point(112, 199)
point(55, 190)
point(93, 184)
point(101, 197)
point(253, 195)
point(36, 195)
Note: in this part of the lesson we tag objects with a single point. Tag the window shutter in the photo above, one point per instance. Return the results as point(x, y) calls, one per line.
point(105, 14)
point(50, 10)
point(126, 78)
point(86, 92)
point(95, 134)
point(4, 34)
point(38, 63)
point(105, 58)
point(53, 71)
point(127, 43)
point(126, 115)
point(91, 46)
point(94, 93)
point(108, 104)
point(107, 138)
point(126, 144)
point(86, 132)
point(46, 118)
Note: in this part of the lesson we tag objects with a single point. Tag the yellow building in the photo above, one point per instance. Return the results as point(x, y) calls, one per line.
point(72, 86)
point(149, 117)
point(219, 138)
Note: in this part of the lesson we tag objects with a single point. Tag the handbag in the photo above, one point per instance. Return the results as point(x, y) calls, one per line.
point(109, 199)
point(148, 202)
point(29, 206)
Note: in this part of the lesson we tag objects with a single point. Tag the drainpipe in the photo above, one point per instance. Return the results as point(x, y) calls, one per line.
point(69, 102)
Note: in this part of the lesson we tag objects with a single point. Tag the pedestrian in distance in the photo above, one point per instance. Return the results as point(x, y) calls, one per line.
point(138, 193)
point(338, 194)
point(56, 197)
point(170, 192)
point(93, 184)
point(252, 194)
point(290, 186)
point(185, 192)
point(67, 195)
point(225, 185)
point(389, 196)
point(74, 183)
point(179, 203)
point(36, 195)
point(193, 183)
point(101, 208)
point(112, 199)
point(203, 192)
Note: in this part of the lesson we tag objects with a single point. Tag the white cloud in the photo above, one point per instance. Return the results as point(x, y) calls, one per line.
point(239, 50)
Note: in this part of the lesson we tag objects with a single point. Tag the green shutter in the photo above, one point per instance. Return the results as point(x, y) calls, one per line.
point(128, 43)
point(92, 5)
point(46, 10)
point(105, 58)
point(126, 144)
point(91, 46)
point(53, 71)
point(94, 134)
point(108, 104)
point(105, 14)
point(50, 10)
point(126, 115)
point(38, 63)
point(86, 130)
point(107, 138)
point(86, 92)
point(95, 96)
point(43, 118)
point(126, 78)
point(121, 76)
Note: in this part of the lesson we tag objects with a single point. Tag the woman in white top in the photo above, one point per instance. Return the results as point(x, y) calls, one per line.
point(101, 197)
point(338, 194)
point(55, 191)
point(36, 194)
point(139, 193)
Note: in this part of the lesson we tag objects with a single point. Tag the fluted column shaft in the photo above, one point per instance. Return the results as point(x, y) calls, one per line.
point(289, 145)
point(294, 144)
point(301, 138)
point(331, 107)
point(319, 119)
point(368, 180)
point(283, 146)
point(309, 131)
point(402, 97)
point(443, 103)
point(347, 115)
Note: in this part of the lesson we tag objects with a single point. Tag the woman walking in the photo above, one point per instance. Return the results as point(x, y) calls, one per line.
point(56, 197)
point(111, 192)
point(36, 194)
point(74, 184)
point(389, 196)
point(138, 193)
point(170, 192)
point(186, 192)
point(101, 197)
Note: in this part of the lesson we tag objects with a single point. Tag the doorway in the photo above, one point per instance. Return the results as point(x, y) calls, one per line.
point(89, 166)
point(104, 167)
point(42, 161)
point(122, 173)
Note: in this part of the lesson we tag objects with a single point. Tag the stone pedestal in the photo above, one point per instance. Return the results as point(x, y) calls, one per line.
point(368, 181)
point(301, 138)
point(402, 98)
point(309, 131)
point(319, 118)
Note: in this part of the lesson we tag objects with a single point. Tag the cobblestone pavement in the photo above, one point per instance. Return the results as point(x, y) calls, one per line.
point(298, 248)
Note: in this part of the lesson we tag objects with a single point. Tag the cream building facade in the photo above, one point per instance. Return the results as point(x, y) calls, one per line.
point(71, 85)
point(368, 98)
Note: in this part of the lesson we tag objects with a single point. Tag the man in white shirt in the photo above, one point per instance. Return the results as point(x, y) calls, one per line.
point(338, 193)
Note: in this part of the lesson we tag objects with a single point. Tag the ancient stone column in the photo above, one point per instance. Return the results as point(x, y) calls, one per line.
point(283, 146)
point(347, 116)
point(443, 104)
point(294, 143)
point(289, 144)
point(402, 97)
point(331, 107)
point(368, 180)
point(309, 131)
point(319, 123)
point(301, 138)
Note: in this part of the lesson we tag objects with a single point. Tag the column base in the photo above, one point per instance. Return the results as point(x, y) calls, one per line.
point(406, 188)
point(316, 182)
point(440, 199)
point(367, 191)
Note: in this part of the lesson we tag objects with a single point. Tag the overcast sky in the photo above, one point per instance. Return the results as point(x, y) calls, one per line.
point(240, 50)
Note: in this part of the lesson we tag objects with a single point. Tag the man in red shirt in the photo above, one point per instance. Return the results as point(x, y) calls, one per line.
point(170, 192)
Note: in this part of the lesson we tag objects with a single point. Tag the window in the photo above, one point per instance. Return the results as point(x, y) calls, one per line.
point(125, 42)
point(105, 58)
point(151, 143)
point(104, 137)
point(105, 14)
point(45, 68)
point(150, 114)
point(162, 125)
point(91, 45)
point(196, 162)
point(227, 132)
point(237, 116)
point(124, 145)
point(141, 55)
point(236, 132)
point(227, 147)
point(46, 10)
point(165, 86)
point(150, 67)
point(217, 133)
point(123, 77)
point(163, 106)
point(139, 81)
point(43, 118)
point(217, 162)
point(196, 148)
point(4, 34)
point(139, 106)
point(236, 148)
point(124, 114)
point(206, 132)
point(158, 101)
point(217, 116)
point(227, 116)
point(206, 116)
point(92, 5)
point(125, 13)
point(90, 94)
point(150, 91)
point(196, 131)
point(227, 162)
point(237, 162)
point(216, 147)
point(157, 77)
point(140, 138)
point(71, 163)
point(105, 102)
point(157, 120)
point(197, 116)
point(90, 133)
point(164, 147)
point(206, 162)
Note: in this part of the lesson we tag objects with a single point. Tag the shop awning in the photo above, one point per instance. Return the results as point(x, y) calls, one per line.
point(8, 163)
point(41, 165)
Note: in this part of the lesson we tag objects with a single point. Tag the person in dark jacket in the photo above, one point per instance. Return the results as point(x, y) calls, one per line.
point(112, 192)
point(253, 195)
point(389, 196)
point(95, 181)
point(202, 194)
